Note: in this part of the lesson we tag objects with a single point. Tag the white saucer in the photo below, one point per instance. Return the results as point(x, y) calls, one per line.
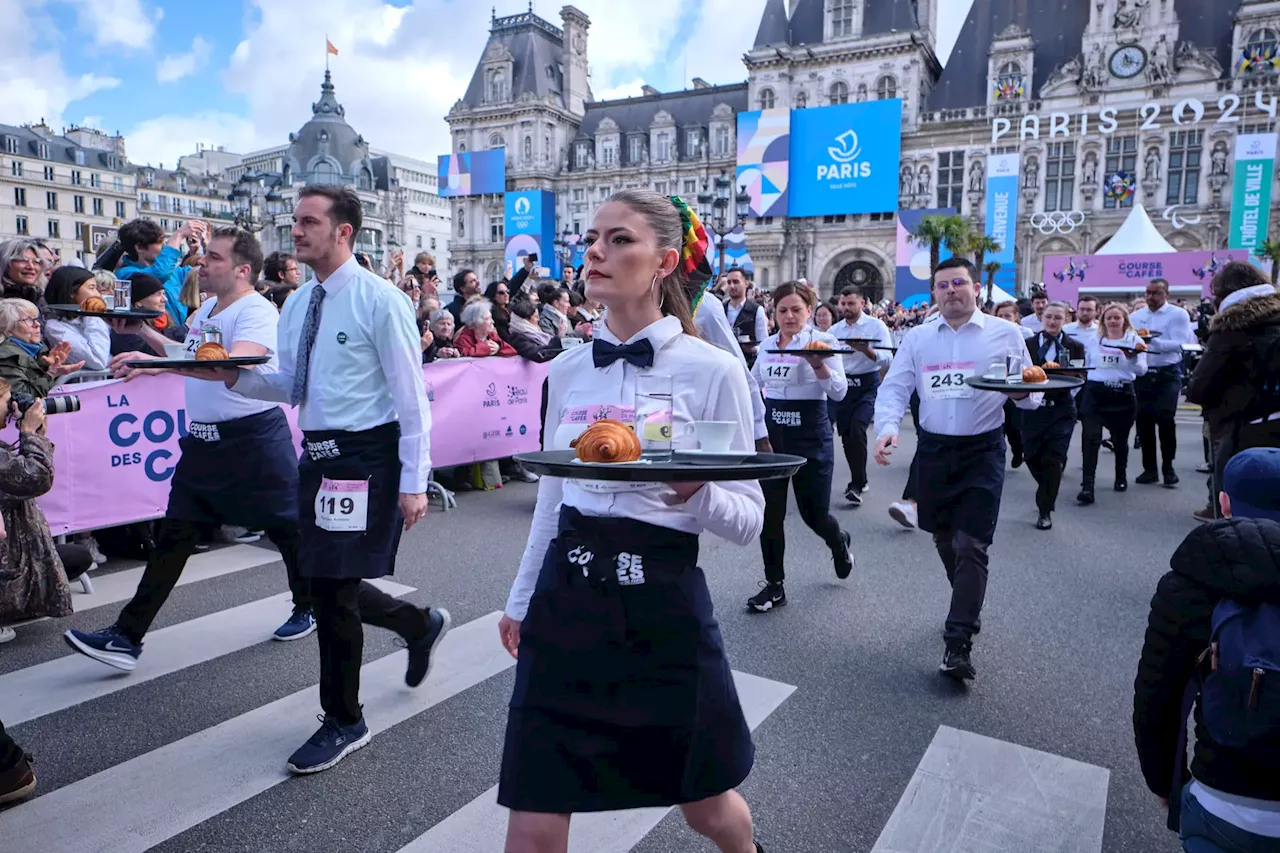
point(719, 456)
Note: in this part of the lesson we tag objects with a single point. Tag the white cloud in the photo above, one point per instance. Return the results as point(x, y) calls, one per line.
point(117, 23)
point(166, 138)
point(629, 89)
point(175, 66)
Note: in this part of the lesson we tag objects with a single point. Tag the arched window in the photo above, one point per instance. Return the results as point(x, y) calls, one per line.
point(497, 140)
point(497, 86)
point(766, 99)
point(1010, 69)
point(1259, 52)
point(324, 173)
point(839, 92)
point(886, 87)
point(366, 180)
point(802, 100)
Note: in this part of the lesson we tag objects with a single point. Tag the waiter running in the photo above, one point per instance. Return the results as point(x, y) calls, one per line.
point(853, 414)
point(745, 316)
point(1159, 389)
point(350, 359)
point(960, 450)
point(238, 465)
point(1046, 431)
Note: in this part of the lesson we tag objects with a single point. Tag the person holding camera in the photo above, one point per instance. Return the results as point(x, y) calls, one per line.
point(30, 368)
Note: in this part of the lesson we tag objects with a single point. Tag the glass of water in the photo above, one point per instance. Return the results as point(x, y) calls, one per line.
point(997, 370)
point(123, 294)
point(654, 415)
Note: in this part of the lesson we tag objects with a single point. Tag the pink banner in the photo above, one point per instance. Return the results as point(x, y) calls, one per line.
point(1067, 276)
point(113, 459)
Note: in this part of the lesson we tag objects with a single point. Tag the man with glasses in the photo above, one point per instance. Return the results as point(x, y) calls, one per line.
point(1159, 389)
point(281, 268)
point(960, 455)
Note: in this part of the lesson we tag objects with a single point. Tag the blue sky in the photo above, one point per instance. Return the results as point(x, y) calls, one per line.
point(242, 73)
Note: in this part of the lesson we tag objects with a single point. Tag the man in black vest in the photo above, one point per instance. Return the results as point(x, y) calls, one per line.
point(1046, 431)
point(745, 317)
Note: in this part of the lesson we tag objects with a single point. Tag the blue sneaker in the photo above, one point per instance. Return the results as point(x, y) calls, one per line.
point(301, 624)
point(111, 647)
point(332, 743)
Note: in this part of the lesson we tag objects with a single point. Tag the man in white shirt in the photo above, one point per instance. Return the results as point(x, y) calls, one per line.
point(960, 449)
point(1086, 322)
point(1158, 391)
point(746, 318)
point(238, 465)
point(350, 359)
point(854, 414)
point(1039, 299)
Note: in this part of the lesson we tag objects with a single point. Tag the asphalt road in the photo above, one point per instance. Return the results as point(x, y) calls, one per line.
point(1062, 629)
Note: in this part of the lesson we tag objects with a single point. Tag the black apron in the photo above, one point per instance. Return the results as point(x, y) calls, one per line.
point(858, 408)
point(1047, 430)
point(800, 427)
point(623, 695)
point(242, 472)
point(1158, 389)
point(1107, 398)
point(371, 456)
point(959, 480)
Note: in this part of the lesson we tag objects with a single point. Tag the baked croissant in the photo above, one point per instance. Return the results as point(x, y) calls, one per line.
point(1034, 374)
point(1051, 364)
point(819, 345)
point(1142, 333)
point(607, 441)
point(95, 304)
point(211, 352)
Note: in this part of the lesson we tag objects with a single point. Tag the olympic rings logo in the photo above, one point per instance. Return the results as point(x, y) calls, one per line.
point(1061, 222)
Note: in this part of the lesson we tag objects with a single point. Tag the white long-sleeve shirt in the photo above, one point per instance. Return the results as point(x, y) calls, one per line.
point(365, 368)
point(865, 327)
point(1173, 324)
point(713, 325)
point(90, 339)
point(934, 360)
point(707, 385)
point(1112, 364)
point(791, 377)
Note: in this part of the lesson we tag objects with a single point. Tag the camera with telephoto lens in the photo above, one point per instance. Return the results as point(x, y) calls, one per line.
point(60, 405)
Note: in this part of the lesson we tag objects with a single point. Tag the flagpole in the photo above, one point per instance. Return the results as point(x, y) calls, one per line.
point(326, 53)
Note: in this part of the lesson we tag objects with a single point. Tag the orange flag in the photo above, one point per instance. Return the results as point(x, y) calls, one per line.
point(328, 44)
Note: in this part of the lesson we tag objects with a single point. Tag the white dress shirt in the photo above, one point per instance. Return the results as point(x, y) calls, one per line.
point(365, 368)
point(732, 311)
point(1173, 324)
point(866, 326)
point(707, 384)
point(251, 318)
point(791, 377)
point(1112, 364)
point(1075, 330)
point(90, 339)
point(1031, 323)
point(934, 360)
point(713, 325)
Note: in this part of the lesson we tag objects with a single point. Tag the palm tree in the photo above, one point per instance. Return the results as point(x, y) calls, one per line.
point(991, 269)
point(981, 245)
point(934, 230)
point(1270, 249)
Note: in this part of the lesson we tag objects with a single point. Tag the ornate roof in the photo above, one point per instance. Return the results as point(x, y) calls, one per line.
point(805, 25)
point(327, 138)
point(534, 48)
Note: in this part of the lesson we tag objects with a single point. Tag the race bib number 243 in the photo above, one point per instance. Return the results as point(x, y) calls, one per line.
point(946, 381)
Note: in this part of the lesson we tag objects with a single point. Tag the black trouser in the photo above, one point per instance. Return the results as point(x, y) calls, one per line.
point(1047, 432)
point(1114, 409)
point(1157, 393)
point(10, 752)
point(341, 605)
point(909, 490)
point(175, 544)
point(854, 443)
point(965, 559)
point(1013, 428)
point(812, 485)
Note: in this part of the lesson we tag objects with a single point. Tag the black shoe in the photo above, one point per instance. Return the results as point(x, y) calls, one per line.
point(852, 496)
point(1137, 442)
point(956, 664)
point(759, 849)
point(1122, 485)
point(1106, 442)
point(1170, 478)
point(771, 595)
point(420, 650)
point(1017, 460)
point(1086, 496)
point(844, 558)
point(1044, 522)
point(1147, 478)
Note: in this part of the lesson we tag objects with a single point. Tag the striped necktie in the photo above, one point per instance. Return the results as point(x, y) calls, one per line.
point(310, 327)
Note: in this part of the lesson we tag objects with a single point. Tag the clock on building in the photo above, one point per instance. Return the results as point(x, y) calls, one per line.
point(1128, 61)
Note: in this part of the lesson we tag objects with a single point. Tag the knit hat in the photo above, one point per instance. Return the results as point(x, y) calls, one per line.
point(1252, 482)
point(144, 284)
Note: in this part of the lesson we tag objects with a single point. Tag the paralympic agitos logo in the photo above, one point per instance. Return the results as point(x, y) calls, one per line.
point(844, 159)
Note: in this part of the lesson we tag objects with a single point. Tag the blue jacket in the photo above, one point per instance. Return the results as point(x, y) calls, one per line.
point(167, 270)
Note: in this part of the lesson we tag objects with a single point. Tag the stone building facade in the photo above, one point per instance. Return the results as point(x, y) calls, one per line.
point(1156, 89)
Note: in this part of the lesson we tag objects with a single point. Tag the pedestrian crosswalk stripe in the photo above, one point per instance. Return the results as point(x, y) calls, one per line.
point(111, 587)
point(481, 825)
point(46, 688)
point(972, 792)
point(145, 801)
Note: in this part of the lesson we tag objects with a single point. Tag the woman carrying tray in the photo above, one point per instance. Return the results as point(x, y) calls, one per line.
point(796, 390)
point(623, 695)
point(1108, 399)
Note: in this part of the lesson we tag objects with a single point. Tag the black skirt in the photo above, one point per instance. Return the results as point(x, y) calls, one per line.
point(623, 697)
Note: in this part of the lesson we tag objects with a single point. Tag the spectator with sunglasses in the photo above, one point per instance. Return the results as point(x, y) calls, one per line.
point(499, 295)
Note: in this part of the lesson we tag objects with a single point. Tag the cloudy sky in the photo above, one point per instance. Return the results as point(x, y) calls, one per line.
point(169, 74)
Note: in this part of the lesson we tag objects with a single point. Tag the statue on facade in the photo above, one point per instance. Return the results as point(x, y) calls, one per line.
point(1161, 70)
point(528, 150)
point(1031, 178)
point(923, 179)
point(1218, 159)
point(1129, 14)
point(976, 177)
point(1095, 74)
point(1151, 165)
point(462, 228)
point(862, 93)
point(1090, 169)
point(906, 180)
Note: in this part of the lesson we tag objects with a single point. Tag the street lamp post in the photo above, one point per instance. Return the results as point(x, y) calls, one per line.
point(715, 207)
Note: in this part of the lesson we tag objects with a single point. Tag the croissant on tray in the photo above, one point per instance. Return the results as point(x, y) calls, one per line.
point(1051, 364)
point(819, 345)
point(1142, 333)
point(211, 352)
point(94, 304)
point(607, 441)
point(1034, 374)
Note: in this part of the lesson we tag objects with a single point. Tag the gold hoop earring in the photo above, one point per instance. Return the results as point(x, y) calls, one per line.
point(662, 299)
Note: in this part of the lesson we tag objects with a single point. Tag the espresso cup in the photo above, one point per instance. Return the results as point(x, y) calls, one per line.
point(714, 436)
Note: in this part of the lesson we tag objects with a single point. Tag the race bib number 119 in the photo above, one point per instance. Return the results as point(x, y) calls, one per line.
point(342, 506)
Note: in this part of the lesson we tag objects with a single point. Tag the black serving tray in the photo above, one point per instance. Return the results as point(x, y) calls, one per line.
point(680, 468)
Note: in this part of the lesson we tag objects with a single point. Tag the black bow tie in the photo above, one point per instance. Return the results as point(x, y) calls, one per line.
point(639, 353)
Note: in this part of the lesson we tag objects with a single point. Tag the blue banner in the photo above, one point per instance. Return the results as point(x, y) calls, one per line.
point(844, 159)
point(1002, 213)
point(530, 227)
point(472, 173)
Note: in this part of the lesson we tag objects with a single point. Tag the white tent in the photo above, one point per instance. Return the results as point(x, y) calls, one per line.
point(998, 295)
point(1137, 236)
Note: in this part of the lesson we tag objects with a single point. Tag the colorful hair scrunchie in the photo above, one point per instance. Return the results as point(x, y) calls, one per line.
point(693, 252)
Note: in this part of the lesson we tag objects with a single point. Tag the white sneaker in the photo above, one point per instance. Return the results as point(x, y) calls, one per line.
point(7, 634)
point(904, 512)
point(95, 552)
